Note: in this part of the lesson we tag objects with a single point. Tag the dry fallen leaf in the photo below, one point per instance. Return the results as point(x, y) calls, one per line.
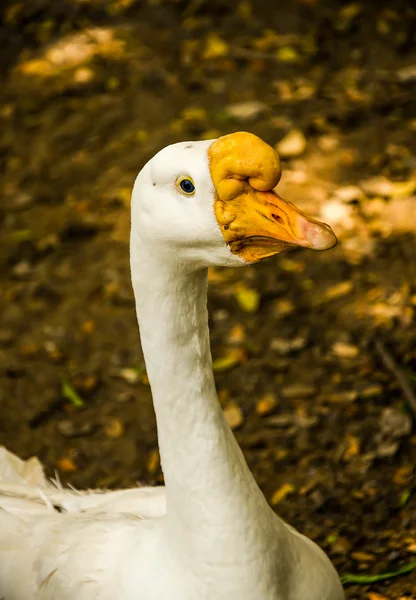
point(194, 114)
point(362, 557)
point(266, 405)
point(287, 54)
point(234, 415)
point(130, 375)
point(248, 298)
point(353, 447)
point(67, 465)
point(403, 474)
point(114, 428)
point(232, 358)
point(292, 145)
point(343, 350)
point(237, 335)
point(282, 493)
point(338, 290)
point(215, 47)
point(246, 111)
point(382, 186)
point(153, 461)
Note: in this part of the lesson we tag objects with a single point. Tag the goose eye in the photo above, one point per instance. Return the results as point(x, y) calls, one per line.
point(186, 185)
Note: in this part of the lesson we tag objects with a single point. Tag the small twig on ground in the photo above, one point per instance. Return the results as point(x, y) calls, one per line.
point(392, 366)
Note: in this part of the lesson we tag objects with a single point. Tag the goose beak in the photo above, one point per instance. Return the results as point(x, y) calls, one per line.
point(255, 221)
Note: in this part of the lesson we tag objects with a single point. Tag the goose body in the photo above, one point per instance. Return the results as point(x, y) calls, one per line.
point(209, 534)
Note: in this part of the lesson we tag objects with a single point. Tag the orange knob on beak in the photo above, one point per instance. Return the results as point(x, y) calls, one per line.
point(254, 220)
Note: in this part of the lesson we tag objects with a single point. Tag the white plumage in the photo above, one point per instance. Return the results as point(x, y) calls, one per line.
point(210, 534)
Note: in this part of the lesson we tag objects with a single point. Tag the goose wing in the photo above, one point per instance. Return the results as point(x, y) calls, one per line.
point(24, 489)
point(60, 543)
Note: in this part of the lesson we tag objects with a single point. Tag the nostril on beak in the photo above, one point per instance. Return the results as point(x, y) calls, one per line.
point(277, 218)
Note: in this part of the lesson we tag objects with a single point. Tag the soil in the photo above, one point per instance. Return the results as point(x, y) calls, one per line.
point(90, 91)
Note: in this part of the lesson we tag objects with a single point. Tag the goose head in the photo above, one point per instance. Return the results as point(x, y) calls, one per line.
point(213, 203)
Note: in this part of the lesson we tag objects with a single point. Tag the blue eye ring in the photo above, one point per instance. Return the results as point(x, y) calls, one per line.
point(186, 185)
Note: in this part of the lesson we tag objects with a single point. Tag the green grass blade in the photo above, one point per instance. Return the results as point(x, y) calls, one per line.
point(69, 393)
point(351, 578)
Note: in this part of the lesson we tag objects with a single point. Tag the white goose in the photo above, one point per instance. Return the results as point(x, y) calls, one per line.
point(209, 534)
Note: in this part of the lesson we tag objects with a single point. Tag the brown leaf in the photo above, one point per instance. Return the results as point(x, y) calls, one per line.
point(67, 465)
point(266, 405)
point(403, 475)
point(114, 428)
point(362, 557)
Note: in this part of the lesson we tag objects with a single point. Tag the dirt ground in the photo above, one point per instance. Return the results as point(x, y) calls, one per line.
point(90, 90)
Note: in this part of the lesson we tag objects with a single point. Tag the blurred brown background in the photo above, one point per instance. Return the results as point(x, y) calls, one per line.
point(90, 90)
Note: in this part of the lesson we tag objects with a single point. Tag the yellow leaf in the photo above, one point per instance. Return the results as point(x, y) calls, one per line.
point(338, 290)
point(194, 113)
point(280, 454)
point(353, 447)
point(228, 361)
point(266, 405)
point(402, 188)
point(124, 194)
point(37, 66)
point(282, 493)
point(287, 54)
point(248, 298)
point(215, 47)
point(350, 11)
point(144, 378)
point(344, 350)
point(292, 266)
point(218, 275)
point(83, 75)
point(153, 461)
point(210, 134)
